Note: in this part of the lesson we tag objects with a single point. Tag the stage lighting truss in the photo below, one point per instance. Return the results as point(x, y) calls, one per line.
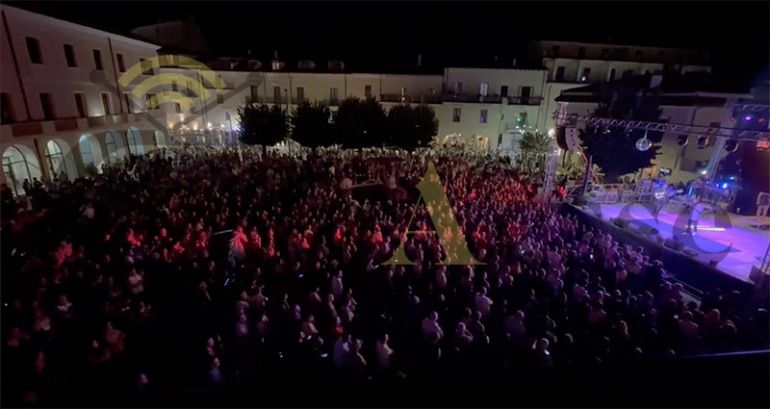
point(681, 129)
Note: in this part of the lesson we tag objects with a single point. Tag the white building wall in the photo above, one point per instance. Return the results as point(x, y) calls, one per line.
point(31, 133)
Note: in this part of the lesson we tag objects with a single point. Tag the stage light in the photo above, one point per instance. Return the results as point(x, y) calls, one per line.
point(731, 145)
point(747, 118)
point(763, 145)
point(682, 140)
point(704, 172)
point(761, 120)
point(643, 144)
point(732, 119)
point(724, 185)
point(703, 142)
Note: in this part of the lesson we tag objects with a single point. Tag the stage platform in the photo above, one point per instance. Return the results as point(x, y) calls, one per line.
point(736, 243)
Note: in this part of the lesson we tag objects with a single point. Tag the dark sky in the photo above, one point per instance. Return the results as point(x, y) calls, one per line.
point(735, 33)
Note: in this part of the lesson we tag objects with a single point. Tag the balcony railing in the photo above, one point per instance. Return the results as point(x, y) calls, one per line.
point(483, 99)
point(411, 99)
point(525, 100)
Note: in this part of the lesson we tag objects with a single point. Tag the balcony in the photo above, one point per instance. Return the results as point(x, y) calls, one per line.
point(411, 99)
point(525, 100)
point(471, 98)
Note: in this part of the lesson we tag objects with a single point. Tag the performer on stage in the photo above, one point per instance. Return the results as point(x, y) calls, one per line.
point(661, 197)
point(695, 212)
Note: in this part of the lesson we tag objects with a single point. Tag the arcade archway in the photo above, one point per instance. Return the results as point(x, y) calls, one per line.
point(58, 157)
point(19, 164)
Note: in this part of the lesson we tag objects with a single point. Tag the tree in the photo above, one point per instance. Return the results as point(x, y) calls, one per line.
point(262, 124)
point(533, 146)
point(410, 127)
point(311, 125)
point(614, 149)
point(359, 124)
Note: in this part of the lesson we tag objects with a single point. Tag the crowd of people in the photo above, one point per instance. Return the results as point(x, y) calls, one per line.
point(200, 270)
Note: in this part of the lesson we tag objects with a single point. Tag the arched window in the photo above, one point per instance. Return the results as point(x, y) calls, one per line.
point(135, 142)
point(112, 145)
point(55, 157)
point(86, 154)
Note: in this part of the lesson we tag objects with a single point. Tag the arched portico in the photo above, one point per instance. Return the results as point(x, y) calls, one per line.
point(20, 163)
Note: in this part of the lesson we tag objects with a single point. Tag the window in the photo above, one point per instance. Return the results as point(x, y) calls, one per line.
point(112, 145)
point(6, 110)
point(86, 153)
point(458, 87)
point(639, 55)
point(581, 52)
point(504, 91)
point(555, 51)
point(80, 104)
point(33, 49)
point(177, 108)
point(612, 75)
point(300, 94)
point(150, 99)
point(403, 91)
point(129, 103)
point(146, 66)
point(526, 92)
point(368, 91)
point(98, 60)
point(483, 116)
point(121, 63)
point(47, 104)
point(220, 98)
point(106, 103)
point(174, 86)
point(254, 93)
point(277, 93)
point(333, 94)
point(586, 77)
point(456, 115)
point(69, 55)
point(484, 89)
point(605, 53)
point(189, 89)
point(559, 74)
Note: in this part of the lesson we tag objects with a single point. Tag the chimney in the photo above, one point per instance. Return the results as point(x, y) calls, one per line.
point(419, 60)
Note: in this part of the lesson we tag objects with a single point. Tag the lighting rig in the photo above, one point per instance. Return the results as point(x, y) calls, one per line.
point(704, 134)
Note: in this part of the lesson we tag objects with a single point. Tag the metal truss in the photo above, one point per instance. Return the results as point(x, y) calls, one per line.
point(697, 130)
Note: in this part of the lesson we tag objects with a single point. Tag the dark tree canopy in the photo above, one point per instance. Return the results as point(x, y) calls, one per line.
point(614, 149)
point(311, 125)
point(410, 127)
point(262, 124)
point(360, 123)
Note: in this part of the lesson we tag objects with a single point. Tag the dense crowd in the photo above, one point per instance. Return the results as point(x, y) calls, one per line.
point(219, 270)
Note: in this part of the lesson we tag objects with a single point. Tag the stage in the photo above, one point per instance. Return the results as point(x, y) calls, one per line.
point(736, 243)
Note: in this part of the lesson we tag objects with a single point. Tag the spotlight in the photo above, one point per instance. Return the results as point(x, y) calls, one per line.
point(682, 140)
point(731, 145)
point(761, 120)
point(703, 142)
point(747, 118)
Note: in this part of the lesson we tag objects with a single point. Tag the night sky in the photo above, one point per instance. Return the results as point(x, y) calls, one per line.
point(446, 33)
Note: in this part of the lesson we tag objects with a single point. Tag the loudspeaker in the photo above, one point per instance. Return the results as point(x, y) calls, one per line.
point(648, 230)
point(571, 138)
point(674, 245)
point(622, 223)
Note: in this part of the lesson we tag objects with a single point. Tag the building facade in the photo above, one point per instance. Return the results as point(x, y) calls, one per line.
point(75, 98)
point(572, 64)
